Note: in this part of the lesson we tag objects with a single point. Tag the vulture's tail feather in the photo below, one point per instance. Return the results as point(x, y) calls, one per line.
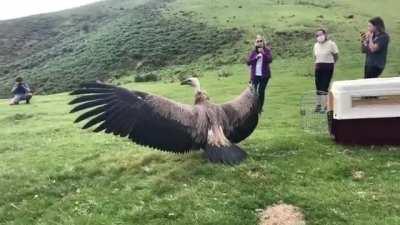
point(231, 155)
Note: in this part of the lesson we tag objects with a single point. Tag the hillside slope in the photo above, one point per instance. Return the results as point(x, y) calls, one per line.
point(57, 51)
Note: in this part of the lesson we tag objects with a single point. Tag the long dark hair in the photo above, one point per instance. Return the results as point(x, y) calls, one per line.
point(378, 23)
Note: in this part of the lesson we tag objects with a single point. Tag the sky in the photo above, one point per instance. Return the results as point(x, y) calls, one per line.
point(10, 9)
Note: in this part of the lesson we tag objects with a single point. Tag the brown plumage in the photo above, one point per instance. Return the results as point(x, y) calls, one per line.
point(170, 126)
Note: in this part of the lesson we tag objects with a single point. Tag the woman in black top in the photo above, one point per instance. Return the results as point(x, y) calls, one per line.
point(375, 45)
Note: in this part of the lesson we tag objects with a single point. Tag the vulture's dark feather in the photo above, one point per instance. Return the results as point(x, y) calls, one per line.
point(87, 105)
point(243, 113)
point(91, 91)
point(101, 127)
point(94, 121)
point(230, 154)
point(144, 118)
point(85, 98)
point(91, 113)
point(96, 85)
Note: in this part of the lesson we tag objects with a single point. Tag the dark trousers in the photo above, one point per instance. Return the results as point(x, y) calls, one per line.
point(323, 77)
point(372, 72)
point(260, 83)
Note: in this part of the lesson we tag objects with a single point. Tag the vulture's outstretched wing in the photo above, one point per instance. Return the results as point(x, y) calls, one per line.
point(242, 114)
point(146, 119)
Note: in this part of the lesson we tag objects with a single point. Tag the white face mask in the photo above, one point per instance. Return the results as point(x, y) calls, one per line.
point(321, 38)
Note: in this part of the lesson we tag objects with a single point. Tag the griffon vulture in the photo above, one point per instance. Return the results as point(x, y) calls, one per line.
point(167, 125)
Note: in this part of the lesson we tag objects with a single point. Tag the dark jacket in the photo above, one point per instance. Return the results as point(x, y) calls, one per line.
point(20, 89)
point(377, 58)
point(252, 62)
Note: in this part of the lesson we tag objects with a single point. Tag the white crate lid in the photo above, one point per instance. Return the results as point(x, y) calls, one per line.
point(349, 100)
point(366, 85)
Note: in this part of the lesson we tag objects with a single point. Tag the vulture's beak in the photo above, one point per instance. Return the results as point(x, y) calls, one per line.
point(186, 82)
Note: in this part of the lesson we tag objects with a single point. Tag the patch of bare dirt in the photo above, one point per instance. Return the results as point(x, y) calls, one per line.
point(282, 214)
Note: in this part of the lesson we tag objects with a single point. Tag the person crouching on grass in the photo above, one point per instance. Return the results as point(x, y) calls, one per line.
point(21, 92)
point(260, 72)
point(326, 54)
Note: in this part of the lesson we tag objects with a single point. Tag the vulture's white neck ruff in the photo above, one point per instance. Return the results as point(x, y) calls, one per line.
point(196, 85)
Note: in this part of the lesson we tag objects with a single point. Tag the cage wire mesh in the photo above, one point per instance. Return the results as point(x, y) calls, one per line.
point(310, 121)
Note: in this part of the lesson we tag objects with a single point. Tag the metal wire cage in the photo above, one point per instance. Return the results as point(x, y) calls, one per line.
point(311, 121)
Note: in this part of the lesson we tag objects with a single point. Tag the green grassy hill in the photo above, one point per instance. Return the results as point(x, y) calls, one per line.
point(51, 172)
point(105, 40)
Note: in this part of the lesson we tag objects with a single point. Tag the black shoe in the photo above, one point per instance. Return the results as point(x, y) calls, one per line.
point(28, 99)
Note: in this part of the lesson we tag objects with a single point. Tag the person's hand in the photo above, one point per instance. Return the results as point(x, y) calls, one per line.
point(259, 55)
point(368, 36)
point(365, 37)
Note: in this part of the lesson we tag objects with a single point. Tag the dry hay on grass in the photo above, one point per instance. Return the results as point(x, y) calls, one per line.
point(282, 214)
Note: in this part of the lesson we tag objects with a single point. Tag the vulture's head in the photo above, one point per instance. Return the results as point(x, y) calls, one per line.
point(192, 81)
point(200, 96)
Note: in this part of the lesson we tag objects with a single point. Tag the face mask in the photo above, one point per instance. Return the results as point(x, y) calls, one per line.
point(321, 38)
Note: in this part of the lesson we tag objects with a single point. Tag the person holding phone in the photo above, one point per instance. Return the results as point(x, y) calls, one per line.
point(374, 43)
point(259, 61)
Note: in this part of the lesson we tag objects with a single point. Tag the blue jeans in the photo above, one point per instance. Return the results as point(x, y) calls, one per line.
point(20, 97)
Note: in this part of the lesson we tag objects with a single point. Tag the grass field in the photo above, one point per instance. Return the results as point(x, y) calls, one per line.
point(52, 172)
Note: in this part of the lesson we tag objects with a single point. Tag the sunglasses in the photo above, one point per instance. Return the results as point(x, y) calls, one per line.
point(259, 41)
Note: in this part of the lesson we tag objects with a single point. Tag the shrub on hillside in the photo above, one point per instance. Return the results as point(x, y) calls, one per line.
point(147, 77)
point(224, 73)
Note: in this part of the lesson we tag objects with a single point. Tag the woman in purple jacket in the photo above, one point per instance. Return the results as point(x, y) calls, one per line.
point(259, 60)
